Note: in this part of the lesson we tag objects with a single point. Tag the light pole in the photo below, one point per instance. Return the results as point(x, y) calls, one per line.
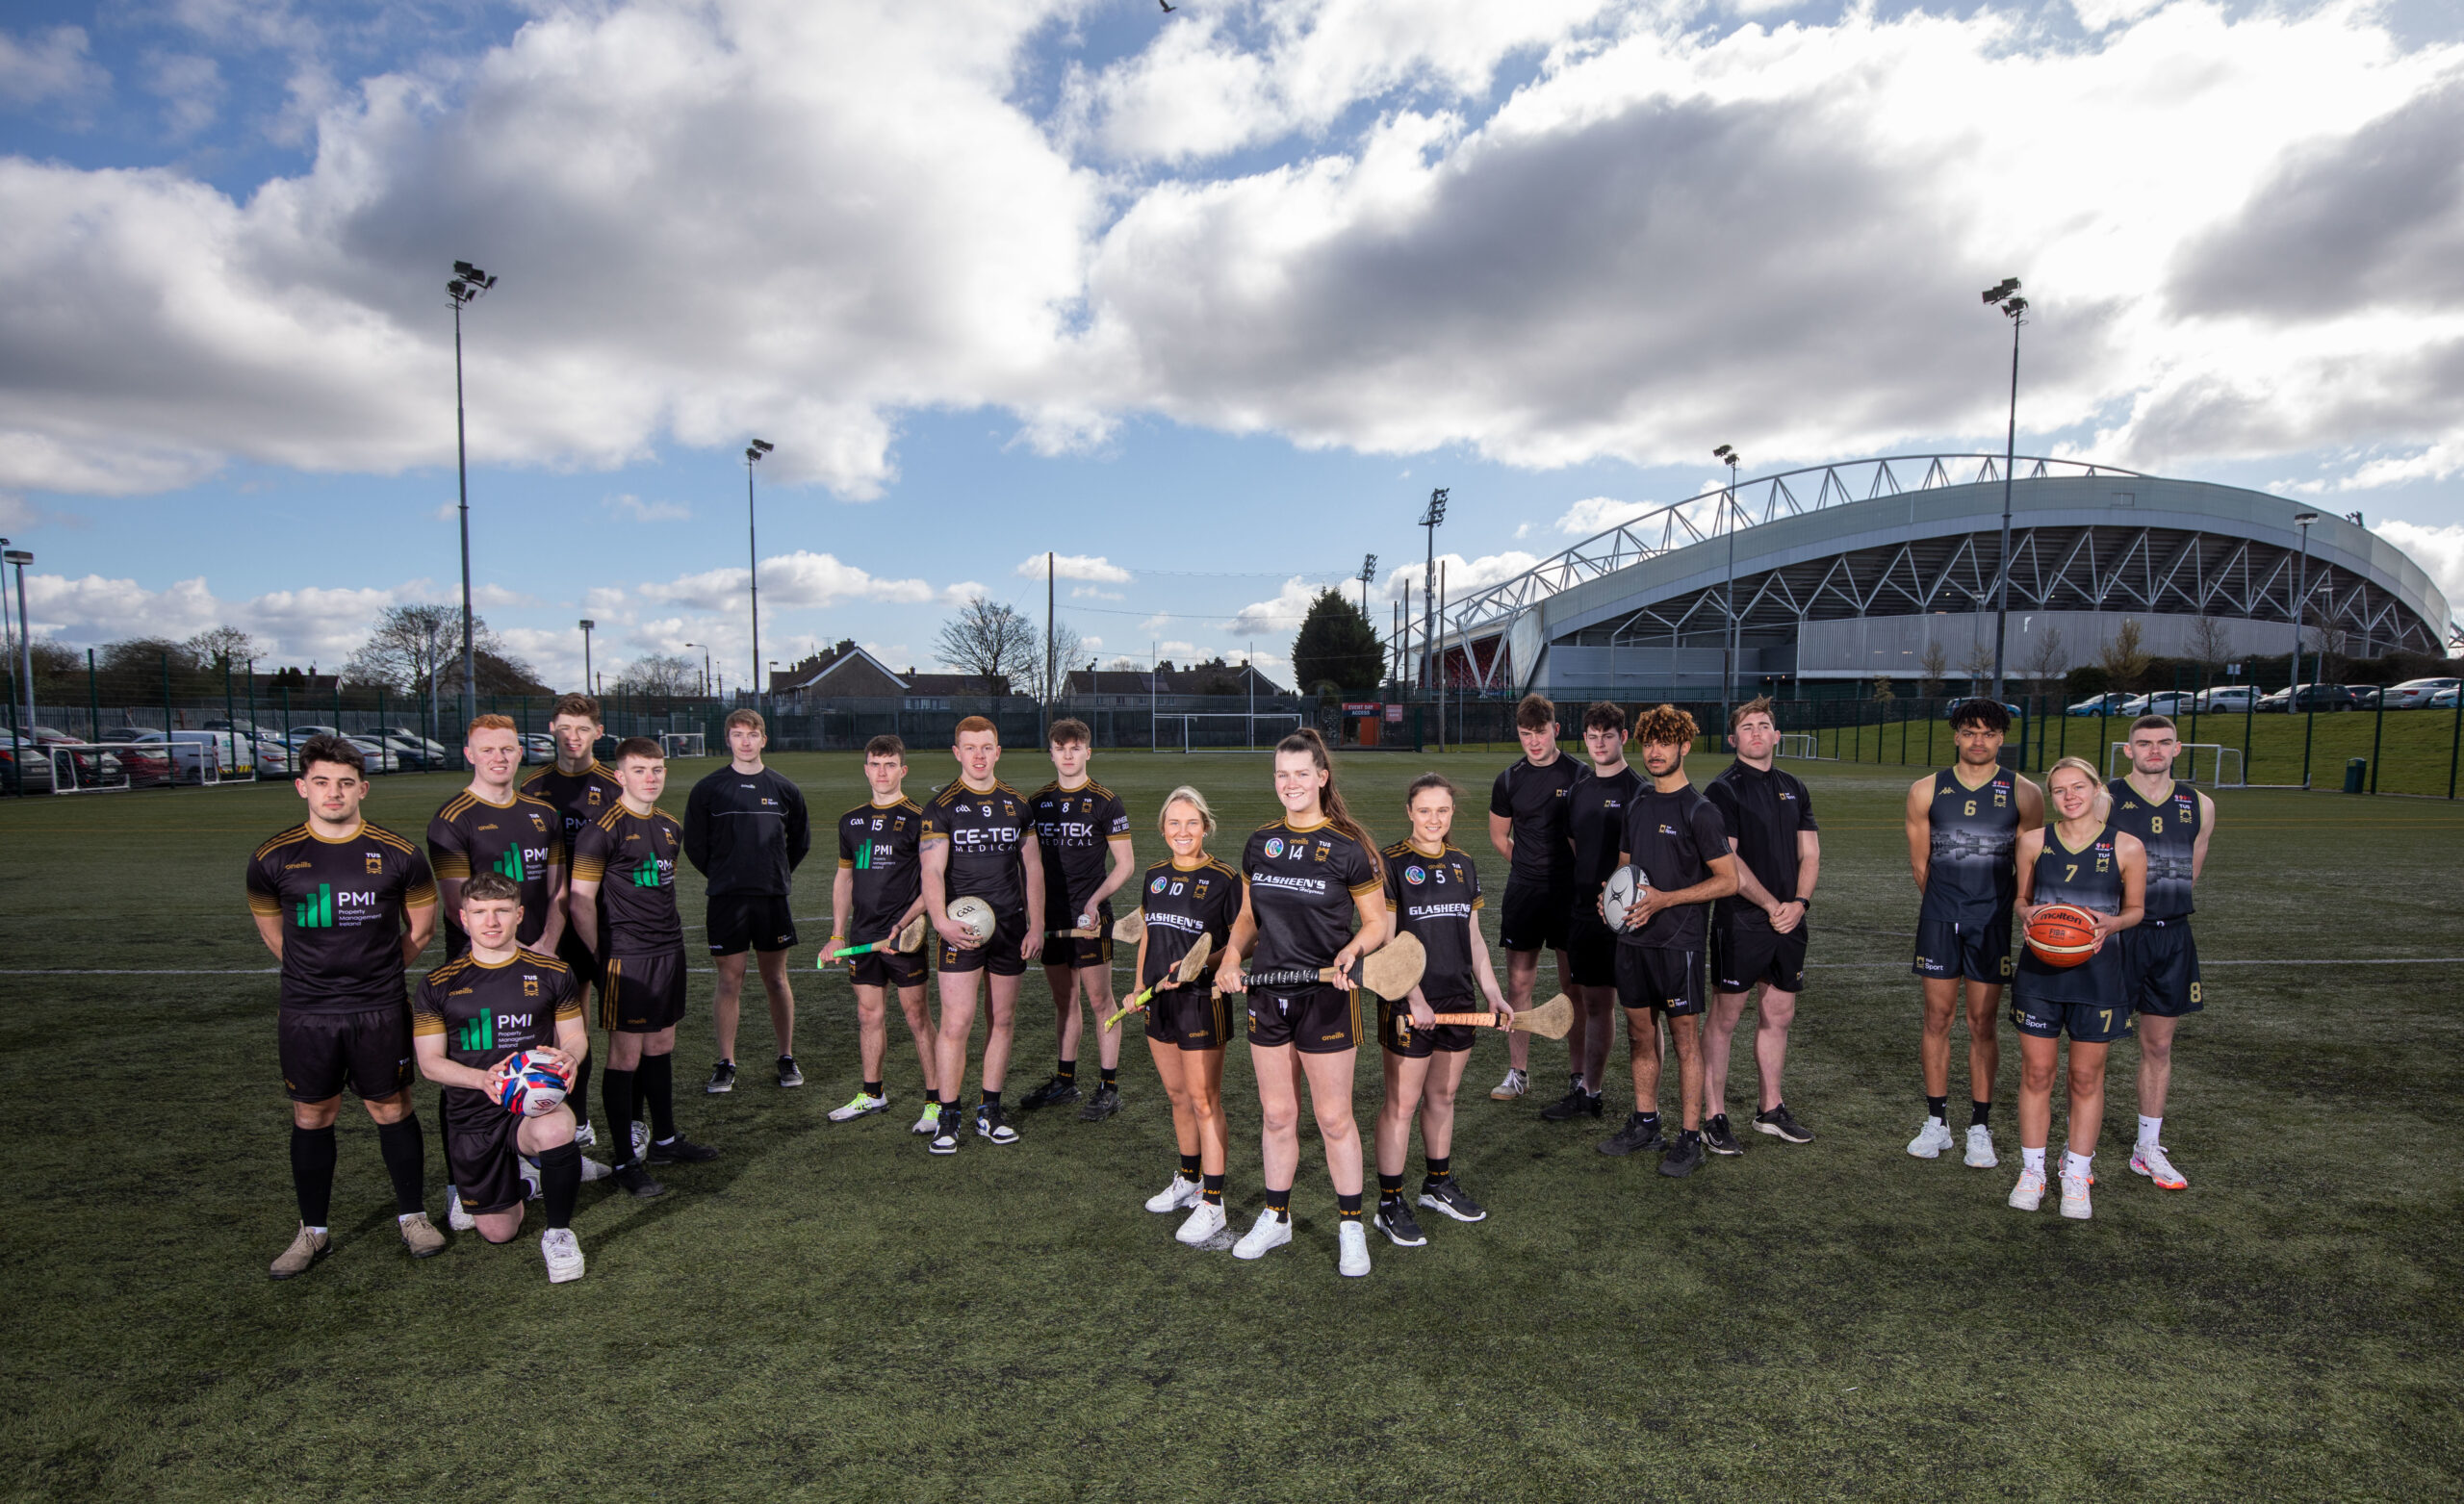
point(1368, 573)
point(20, 558)
point(2015, 308)
point(753, 454)
point(1433, 519)
point(2293, 690)
point(586, 625)
point(7, 638)
point(706, 666)
point(1731, 648)
point(468, 285)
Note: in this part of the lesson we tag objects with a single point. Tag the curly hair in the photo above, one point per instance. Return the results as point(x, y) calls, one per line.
point(1667, 726)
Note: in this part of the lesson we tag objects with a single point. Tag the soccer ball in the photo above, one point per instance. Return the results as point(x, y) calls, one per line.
point(973, 915)
point(1624, 885)
point(2062, 934)
point(532, 1086)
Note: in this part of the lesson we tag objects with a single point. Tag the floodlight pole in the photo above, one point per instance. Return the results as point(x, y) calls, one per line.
point(2015, 308)
point(586, 625)
point(20, 558)
point(1732, 647)
point(468, 284)
point(753, 454)
point(2300, 600)
point(1431, 520)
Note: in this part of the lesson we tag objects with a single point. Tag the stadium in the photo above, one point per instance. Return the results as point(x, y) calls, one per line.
point(1852, 572)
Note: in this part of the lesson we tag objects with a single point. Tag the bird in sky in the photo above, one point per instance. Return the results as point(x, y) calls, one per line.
point(1167, 5)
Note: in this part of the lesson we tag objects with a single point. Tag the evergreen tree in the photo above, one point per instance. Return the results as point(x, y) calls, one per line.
point(1337, 646)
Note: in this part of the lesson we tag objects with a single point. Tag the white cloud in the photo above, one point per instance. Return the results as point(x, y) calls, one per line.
point(1095, 593)
point(1596, 514)
point(191, 88)
point(1075, 565)
point(297, 625)
point(801, 578)
point(45, 67)
point(626, 505)
point(2438, 550)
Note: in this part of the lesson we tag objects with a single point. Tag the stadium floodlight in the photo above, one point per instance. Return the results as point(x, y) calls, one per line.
point(753, 454)
point(20, 558)
point(1734, 647)
point(1433, 519)
point(2301, 598)
point(2015, 308)
point(586, 625)
point(1368, 573)
point(469, 284)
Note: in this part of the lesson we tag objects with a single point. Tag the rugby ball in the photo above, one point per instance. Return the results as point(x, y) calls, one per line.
point(1624, 885)
point(531, 1085)
point(2062, 934)
point(973, 915)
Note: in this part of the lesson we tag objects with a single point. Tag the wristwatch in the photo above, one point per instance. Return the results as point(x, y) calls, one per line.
point(1807, 902)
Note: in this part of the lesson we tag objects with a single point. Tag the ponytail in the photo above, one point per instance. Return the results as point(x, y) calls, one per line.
point(1330, 799)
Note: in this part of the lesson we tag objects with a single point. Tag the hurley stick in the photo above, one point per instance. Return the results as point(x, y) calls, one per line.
point(1184, 972)
point(1551, 1020)
point(907, 942)
point(1391, 971)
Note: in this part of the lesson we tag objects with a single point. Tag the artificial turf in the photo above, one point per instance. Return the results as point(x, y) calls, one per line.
point(826, 1312)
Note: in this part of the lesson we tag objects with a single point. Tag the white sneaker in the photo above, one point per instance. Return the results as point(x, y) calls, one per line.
point(585, 1136)
point(2074, 1198)
point(529, 1179)
point(1205, 1224)
point(593, 1170)
point(928, 1124)
point(456, 1217)
point(1515, 1084)
point(1980, 1147)
point(1173, 1197)
point(563, 1252)
point(861, 1105)
point(2029, 1193)
point(641, 1141)
point(1931, 1140)
point(1352, 1239)
point(2150, 1159)
point(1270, 1231)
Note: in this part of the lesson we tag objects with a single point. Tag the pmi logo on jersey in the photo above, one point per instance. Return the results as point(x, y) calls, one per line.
point(515, 863)
point(650, 874)
point(317, 910)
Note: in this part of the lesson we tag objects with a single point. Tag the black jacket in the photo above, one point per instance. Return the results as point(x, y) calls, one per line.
point(745, 832)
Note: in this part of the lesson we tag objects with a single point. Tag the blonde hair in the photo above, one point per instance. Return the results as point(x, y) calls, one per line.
point(1185, 795)
point(2104, 797)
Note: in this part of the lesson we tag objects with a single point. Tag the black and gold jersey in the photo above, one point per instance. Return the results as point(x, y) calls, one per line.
point(1434, 898)
point(879, 844)
point(519, 840)
point(1182, 904)
point(1074, 831)
point(1674, 838)
point(1532, 800)
point(632, 858)
point(343, 904)
point(986, 832)
point(488, 1013)
point(1303, 882)
point(1969, 877)
point(579, 798)
point(2169, 827)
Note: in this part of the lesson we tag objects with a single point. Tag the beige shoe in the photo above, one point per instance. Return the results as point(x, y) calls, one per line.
point(304, 1250)
point(421, 1236)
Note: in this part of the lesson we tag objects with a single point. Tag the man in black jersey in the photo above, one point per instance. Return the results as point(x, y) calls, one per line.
point(1081, 832)
point(1758, 936)
point(470, 1017)
point(583, 790)
point(879, 890)
point(345, 905)
point(2175, 822)
point(623, 903)
point(1677, 840)
point(746, 832)
point(1595, 829)
point(1963, 826)
point(1527, 826)
point(979, 843)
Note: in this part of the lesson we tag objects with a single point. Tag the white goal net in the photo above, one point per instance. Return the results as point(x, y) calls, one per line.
point(106, 767)
point(682, 744)
point(1797, 744)
point(1197, 730)
point(2212, 763)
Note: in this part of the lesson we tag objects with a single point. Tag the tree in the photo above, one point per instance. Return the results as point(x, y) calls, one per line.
point(1931, 668)
point(2047, 658)
point(1337, 645)
point(408, 648)
point(1978, 666)
point(1064, 649)
point(991, 640)
point(1881, 687)
point(2210, 644)
point(225, 647)
point(661, 677)
point(2124, 657)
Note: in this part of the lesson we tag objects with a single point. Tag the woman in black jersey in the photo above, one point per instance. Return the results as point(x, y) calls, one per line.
point(1305, 880)
point(2082, 860)
point(1433, 892)
point(1186, 896)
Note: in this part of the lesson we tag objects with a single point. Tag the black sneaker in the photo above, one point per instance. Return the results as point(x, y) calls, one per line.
point(1572, 1105)
point(1394, 1219)
point(1683, 1158)
point(992, 1124)
point(722, 1079)
point(630, 1176)
point(1449, 1197)
point(945, 1135)
point(1056, 1092)
point(1782, 1124)
point(1634, 1137)
point(1102, 1105)
point(788, 1074)
point(680, 1150)
point(1719, 1138)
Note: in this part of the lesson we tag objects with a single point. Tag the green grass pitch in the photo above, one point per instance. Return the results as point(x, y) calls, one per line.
point(828, 1311)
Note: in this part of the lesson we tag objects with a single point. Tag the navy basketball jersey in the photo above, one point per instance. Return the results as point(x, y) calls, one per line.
point(2169, 827)
point(1969, 878)
point(2089, 878)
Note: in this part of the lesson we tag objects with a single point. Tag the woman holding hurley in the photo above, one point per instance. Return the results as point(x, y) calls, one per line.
point(1189, 899)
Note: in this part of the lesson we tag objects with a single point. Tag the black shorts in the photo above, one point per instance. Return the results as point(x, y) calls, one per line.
point(641, 994)
point(1534, 915)
point(367, 1049)
point(998, 956)
point(1418, 1044)
point(1080, 951)
point(2085, 1022)
point(1745, 954)
point(741, 922)
point(1591, 950)
point(1191, 1019)
point(887, 968)
point(1665, 981)
point(2161, 961)
point(1980, 953)
point(1319, 1020)
point(482, 1156)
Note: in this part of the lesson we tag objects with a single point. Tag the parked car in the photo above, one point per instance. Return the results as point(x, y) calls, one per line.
point(2365, 696)
point(379, 755)
point(2109, 704)
point(22, 764)
point(407, 739)
point(2444, 699)
point(76, 770)
point(2307, 697)
point(2224, 697)
point(2163, 702)
point(182, 757)
point(2418, 694)
point(538, 747)
point(302, 733)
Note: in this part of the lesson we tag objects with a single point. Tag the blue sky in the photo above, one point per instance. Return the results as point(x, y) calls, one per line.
point(1205, 303)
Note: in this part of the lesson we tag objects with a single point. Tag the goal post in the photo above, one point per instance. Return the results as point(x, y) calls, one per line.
point(684, 744)
point(1798, 745)
point(1208, 730)
point(113, 767)
point(2212, 763)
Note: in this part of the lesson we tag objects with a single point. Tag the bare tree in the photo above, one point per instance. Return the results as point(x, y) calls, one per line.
point(2123, 656)
point(991, 640)
point(2048, 657)
point(663, 675)
point(1066, 650)
point(1125, 664)
point(1932, 669)
point(225, 647)
point(407, 648)
point(2210, 644)
point(2335, 653)
point(1978, 666)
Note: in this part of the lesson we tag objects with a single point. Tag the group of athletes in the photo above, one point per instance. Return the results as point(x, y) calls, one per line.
point(566, 887)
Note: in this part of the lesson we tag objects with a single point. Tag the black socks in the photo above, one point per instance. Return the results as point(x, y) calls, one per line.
point(654, 1079)
point(992, 1099)
point(1347, 1206)
point(1212, 1193)
point(1390, 1187)
point(616, 1095)
point(560, 1182)
point(1979, 1113)
point(1939, 1108)
point(1441, 1167)
point(1066, 1070)
point(1112, 1076)
point(1280, 1202)
point(1188, 1166)
point(405, 1163)
point(312, 1172)
point(873, 1088)
point(578, 1097)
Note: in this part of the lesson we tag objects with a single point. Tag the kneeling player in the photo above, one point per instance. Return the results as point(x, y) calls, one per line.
point(1433, 891)
point(2085, 862)
point(1189, 896)
point(469, 1019)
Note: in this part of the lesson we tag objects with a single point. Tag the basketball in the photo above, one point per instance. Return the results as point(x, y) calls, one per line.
point(973, 915)
point(2062, 934)
point(531, 1087)
point(1622, 885)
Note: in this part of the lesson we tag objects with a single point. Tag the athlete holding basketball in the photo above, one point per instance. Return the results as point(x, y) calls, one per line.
point(2085, 862)
point(1433, 892)
point(1190, 897)
point(1527, 826)
point(979, 842)
point(2175, 822)
point(1964, 823)
point(1305, 880)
